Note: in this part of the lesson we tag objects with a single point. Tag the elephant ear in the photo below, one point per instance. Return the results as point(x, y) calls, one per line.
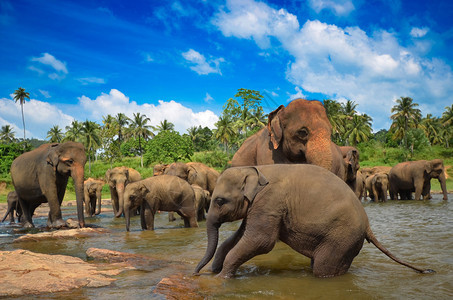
point(191, 174)
point(53, 156)
point(274, 127)
point(254, 182)
point(352, 164)
point(107, 175)
point(428, 167)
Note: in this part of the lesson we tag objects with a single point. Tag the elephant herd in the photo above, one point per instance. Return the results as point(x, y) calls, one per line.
point(288, 182)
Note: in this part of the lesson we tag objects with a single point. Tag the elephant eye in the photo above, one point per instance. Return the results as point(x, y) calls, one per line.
point(302, 133)
point(69, 162)
point(220, 201)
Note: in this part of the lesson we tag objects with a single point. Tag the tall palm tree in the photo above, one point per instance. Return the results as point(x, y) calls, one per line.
point(431, 126)
point(19, 95)
point(358, 130)
point(406, 110)
point(348, 109)
point(91, 138)
point(335, 115)
point(121, 121)
point(140, 129)
point(447, 116)
point(193, 132)
point(7, 134)
point(54, 134)
point(108, 121)
point(225, 131)
point(74, 132)
point(165, 125)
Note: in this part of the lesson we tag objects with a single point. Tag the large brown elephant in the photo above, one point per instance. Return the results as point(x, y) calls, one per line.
point(194, 173)
point(296, 134)
point(202, 201)
point(379, 186)
point(164, 193)
point(13, 206)
point(42, 174)
point(118, 178)
point(288, 203)
point(92, 189)
point(351, 158)
point(415, 176)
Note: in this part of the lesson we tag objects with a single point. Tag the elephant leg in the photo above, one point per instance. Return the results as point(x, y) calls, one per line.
point(225, 247)
point(426, 193)
point(147, 216)
point(256, 242)
point(190, 217)
point(331, 260)
point(171, 216)
point(27, 214)
point(99, 203)
point(115, 201)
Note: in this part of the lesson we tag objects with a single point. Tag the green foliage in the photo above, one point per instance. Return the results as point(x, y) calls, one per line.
point(8, 152)
point(130, 148)
point(202, 138)
point(215, 159)
point(168, 146)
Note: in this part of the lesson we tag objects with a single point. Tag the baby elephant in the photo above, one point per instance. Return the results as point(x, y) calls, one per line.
point(13, 205)
point(164, 193)
point(290, 203)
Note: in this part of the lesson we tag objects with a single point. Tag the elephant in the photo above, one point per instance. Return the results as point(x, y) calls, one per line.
point(296, 134)
point(194, 173)
point(360, 190)
point(41, 175)
point(289, 203)
point(368, 187)
point(92, 189)
point(159, 169)
point(13, 205)
point(351, 158)
point(202, 201)
point(415, 176)
point(374, 170)
point(118, 178)
point(380, 186)
point(164, 193)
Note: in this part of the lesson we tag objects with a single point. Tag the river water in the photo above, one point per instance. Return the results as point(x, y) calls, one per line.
point(420, 232)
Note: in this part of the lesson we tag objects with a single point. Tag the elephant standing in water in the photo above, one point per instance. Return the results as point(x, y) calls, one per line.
point(296, 134)
point(41, 175)
point(118, 178)
point(289, 203)
point(164, 193)
point(415, 176)
point(380, 186)
point(13, 206)
point(194, 173)
point(92, 189)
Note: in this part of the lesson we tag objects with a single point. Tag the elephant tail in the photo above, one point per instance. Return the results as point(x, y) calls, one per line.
point(371, 238)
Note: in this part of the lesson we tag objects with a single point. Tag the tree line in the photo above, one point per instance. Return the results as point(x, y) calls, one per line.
point(120, 136)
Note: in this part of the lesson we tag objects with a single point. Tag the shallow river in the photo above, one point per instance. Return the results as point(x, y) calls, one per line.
point(420, 232)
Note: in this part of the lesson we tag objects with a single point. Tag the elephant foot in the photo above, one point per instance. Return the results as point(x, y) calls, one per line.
point(56, 224)
point(28, 225)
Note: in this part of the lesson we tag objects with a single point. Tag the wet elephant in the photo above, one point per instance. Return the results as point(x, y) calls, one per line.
point(379, 186)
point(296, 134)
point(415, 176)
point(351, 158)
point(288, 203)
point(42, 174)
point(194, 173)
point(360, 191)
point(160, 193)
point(202, 201)
point(92, 189)
point(118, 178)
point(13, 207)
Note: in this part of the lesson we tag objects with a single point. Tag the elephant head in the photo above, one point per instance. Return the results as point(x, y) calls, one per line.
point(302, 131)
point(118, 178)
point(178, 169)
point(69, 159)
point(134, 194)
point(228, 204)
point(159, 169)
point(380, 183)
point(435, 169)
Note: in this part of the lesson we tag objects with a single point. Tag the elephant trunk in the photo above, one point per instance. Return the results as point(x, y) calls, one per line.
point(77, 175)
point(99, 200)
point(443, 184)
point(212, 227)
point(120, 191)
point(127, 215)
point(319, 152)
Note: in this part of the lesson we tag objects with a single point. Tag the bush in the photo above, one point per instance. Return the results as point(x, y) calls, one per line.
point(167, 147)
point(215, 159)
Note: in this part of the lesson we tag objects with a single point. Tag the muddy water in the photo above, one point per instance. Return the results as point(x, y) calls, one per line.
point(420, 232)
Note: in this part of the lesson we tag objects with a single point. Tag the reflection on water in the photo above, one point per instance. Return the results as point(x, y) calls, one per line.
point(420, 232)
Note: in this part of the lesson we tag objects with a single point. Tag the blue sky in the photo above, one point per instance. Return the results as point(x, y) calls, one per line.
point(181, 60)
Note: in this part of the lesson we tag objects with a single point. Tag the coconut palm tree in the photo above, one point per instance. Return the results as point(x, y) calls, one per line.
point(19, 95)
point(165, 125)
point(406, 110)
point(348, 109)
point(7, 134)
point(447, 116)
point(335, 115)
point(91, 139)
point(74, 132)
point(225, 131)
point(139, 129)
point(431, 126)
point(121, 121)
point(54, 134)
point(358, 129)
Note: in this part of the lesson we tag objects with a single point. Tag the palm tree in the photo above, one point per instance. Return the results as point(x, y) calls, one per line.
point(54, 134)
point(225, 131)
point(447, 116)
point(406, 110)
point(165, 125)
point(193, 132)
point(335, 116)
point(140, 129)
point(108, 121)
point(431, 127)
point(7, 134)
point(358, 130)
point(121, 120)
point(74, 132)
point(348, 109)
point(19, 95)
point(91, 138)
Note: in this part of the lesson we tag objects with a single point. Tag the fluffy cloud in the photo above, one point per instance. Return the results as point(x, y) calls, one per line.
point(419, 32)
point(50, 61)
point(339, 8)
point(39, 117)
point(115, 102)
point(372, 70)
point(200, 64)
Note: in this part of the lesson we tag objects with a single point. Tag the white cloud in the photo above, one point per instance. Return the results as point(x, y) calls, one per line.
point(208, 98)
point(419, 32)
point(50, 60)
point(45, 93)
point(115, 102)
point(201, 65)
point(371, 70)
point(298, 94)
point(339, 7)
point(91, 80)
point(39, 117)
